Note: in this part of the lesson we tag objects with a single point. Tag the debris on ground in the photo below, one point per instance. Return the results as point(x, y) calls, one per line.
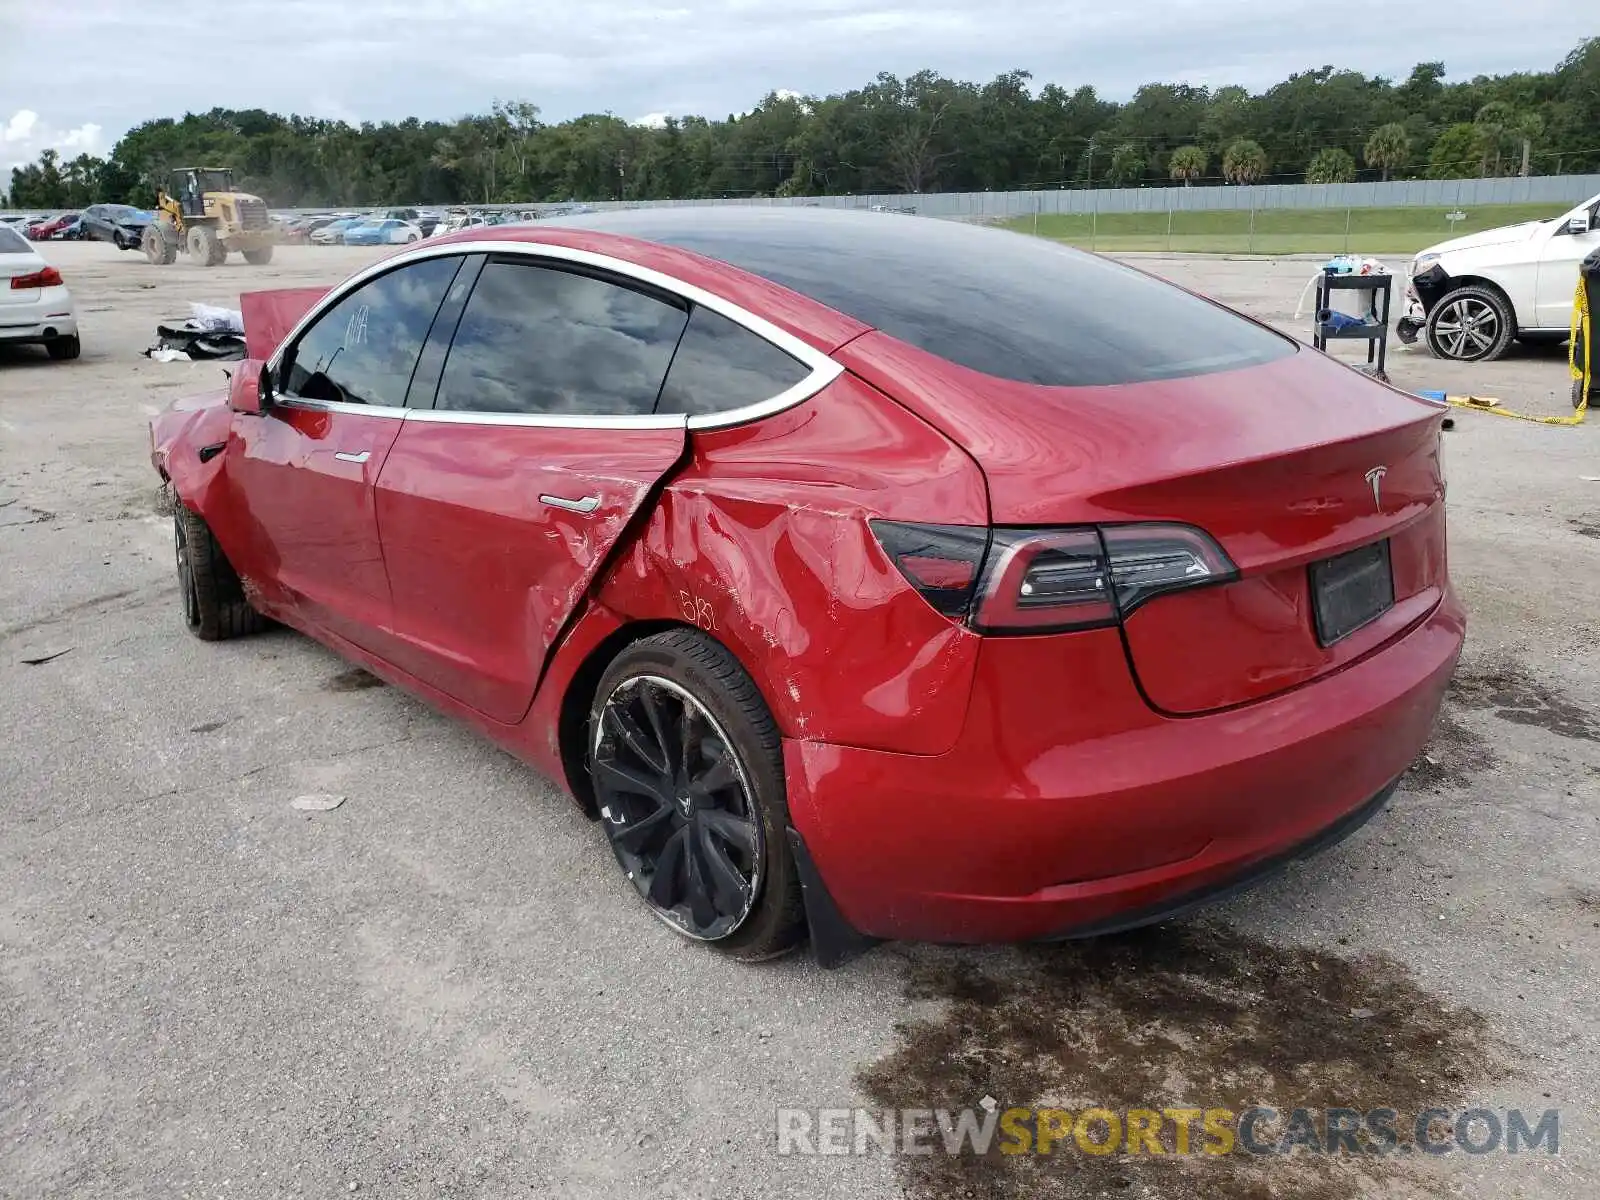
point(209, 333)
point(316, 802)
point(41, 659)
point(218, 320)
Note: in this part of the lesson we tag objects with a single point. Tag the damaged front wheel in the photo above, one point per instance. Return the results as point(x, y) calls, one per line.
point(213, 600)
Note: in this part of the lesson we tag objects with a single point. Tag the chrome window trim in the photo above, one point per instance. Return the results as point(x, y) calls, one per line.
point(823, 369)
point(338, 406)
point(452, 416)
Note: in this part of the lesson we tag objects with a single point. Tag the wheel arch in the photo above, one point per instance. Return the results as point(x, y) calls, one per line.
point(577, 698)
point(1457, 282)
point(834, 941)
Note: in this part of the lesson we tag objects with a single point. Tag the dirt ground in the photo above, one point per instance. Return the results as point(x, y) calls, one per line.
point(444, 989)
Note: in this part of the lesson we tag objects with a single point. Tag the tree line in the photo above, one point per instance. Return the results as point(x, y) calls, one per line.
point(924, 133)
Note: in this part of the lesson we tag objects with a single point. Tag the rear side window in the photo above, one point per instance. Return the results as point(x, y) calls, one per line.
point(720, 365)
point(541, 340)
point(364, 348)
point(12, 242)
point(1006, 304)
point(1029, 311)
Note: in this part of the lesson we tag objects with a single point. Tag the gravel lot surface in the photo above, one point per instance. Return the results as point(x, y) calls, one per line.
point(444, 988)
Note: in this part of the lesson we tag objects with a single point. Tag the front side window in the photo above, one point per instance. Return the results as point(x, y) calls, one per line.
point(544, 340)
point(721, 366)
point(364, 349)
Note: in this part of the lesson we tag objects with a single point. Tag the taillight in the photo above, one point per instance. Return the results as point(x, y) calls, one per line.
point(941, 561)
point(1148, 560)
point(1049, 580)
point(49, 277)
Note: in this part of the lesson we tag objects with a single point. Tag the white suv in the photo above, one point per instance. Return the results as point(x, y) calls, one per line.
point(1473, 295)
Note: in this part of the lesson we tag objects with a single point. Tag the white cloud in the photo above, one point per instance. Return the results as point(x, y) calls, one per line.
point(791, 94)
point(20, 127)
point(26, 135)
point(653, 120)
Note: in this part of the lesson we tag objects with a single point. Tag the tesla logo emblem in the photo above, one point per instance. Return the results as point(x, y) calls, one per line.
point(1375, 481)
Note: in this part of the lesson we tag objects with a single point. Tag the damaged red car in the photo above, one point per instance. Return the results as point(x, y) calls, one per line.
point(864, 576)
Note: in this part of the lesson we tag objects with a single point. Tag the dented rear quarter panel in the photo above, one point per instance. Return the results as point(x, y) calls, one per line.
point(762, 540)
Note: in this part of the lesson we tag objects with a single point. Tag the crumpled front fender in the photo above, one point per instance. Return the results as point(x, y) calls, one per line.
point(185, 444)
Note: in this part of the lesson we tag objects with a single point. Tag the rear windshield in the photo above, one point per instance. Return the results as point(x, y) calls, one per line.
point(12, 242)
point(1006, 304)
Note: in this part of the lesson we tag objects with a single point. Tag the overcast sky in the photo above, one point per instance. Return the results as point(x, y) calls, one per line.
point(75, 74)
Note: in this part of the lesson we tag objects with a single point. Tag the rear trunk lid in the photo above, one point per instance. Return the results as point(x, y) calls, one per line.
point(269, 316)
point(1286, 465)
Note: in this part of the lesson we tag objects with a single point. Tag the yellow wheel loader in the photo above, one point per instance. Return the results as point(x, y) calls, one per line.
point(201, 211)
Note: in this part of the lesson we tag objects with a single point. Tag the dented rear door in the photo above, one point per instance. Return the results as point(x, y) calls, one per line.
point(498, 507)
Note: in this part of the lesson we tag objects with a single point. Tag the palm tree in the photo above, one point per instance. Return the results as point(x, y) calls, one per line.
point(1494, 121)
point(1389, 147)
point(1245, 162)
point(1188, 164)
point(1332, 165)
point(1527, 127)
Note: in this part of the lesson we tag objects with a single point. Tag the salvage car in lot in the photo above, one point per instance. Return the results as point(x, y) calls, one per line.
point(883, 579)
point(61, 227)
point(389, 232)
point(1474, 295)
point(331, 233)
point(120, 224)
point(35, 306)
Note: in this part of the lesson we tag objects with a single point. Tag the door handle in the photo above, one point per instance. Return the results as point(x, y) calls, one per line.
point(345, 456)
point(586, 505)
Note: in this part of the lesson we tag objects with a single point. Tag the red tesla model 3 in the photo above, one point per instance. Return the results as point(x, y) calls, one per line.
point(865, 575)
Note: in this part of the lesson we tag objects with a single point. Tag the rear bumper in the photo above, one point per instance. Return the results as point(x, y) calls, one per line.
point(1080, 811)
point(1257, 872)
point(49, 317)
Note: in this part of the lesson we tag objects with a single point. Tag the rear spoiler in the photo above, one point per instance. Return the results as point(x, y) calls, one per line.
point(269, 316)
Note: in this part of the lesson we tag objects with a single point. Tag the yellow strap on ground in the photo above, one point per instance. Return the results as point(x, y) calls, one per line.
point(1476, 404)
point(1581, 322)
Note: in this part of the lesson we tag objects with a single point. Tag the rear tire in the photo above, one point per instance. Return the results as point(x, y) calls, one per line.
point(213, 600)
point(63, 349)
point(258, 258)
point(1471, 324)
point(688, 775)
point(204, 246)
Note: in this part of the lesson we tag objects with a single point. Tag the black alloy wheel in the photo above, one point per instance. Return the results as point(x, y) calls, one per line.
point(678, 806)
